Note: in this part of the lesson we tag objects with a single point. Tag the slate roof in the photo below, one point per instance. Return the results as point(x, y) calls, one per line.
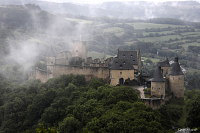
point(158, 77)
point(164, 63)
point(121, 64)
point(176, 69)
point(129, 55)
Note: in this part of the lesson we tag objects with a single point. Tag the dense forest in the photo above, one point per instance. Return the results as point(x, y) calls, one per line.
point(70, 104)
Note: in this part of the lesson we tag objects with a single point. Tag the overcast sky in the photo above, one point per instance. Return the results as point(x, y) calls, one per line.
point(100, 1)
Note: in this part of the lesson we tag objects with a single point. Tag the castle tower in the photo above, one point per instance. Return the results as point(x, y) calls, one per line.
point(80, 49)
point(139, 60)
point(176, 79)
point(165, 67)
point(50, 62)
point(120, 71)
point(158, 84)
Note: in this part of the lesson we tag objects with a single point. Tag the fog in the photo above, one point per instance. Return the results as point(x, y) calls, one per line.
point(34, 29)
point(29, 43)
point(101, 1)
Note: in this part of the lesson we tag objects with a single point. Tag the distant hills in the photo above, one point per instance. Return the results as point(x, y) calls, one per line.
point(184, 10)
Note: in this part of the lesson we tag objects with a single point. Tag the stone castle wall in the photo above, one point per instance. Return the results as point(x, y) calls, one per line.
point(88, 72)
point(158, 89)
point(153, 103)
point(176, 84)
point(40, 75)
point(115, 75)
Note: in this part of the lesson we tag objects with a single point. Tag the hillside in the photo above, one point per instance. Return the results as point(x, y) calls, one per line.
point(185, 10)
point(40, 30)
point(26, 32)
point(70, 103)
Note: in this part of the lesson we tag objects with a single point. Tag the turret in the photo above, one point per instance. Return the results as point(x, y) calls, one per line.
point(165, 67)
point(158, 84)
point(80, 49)
point(176, 79)
point(50, 62)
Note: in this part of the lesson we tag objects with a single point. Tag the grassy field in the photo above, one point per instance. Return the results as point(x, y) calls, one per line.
point(151, 25)
point(160, 39)
point(162, 32)
point(154, 60)
point(190, 44)
point(78, 20)
point(114, 30)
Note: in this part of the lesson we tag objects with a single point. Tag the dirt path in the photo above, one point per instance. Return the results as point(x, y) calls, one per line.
point(141, 88)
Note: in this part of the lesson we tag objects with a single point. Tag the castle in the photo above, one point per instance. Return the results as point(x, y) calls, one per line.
point(168, 78)
point(117, 70)
point(125, 67)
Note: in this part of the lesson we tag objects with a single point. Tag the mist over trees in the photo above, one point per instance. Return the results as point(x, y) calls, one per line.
point(71, 104)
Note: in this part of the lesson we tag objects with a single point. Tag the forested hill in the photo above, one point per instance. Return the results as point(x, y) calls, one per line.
point(69, 104)
point(185, 10)
point(16, 21)
point(16, 17)
point(26, 33)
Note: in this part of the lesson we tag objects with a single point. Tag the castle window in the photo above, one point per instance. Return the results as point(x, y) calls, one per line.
point(124, 62)
point(120, 66)
point(124, 55)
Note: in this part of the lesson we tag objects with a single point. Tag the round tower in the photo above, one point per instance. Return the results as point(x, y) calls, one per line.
point(176, 79)
point(158, 84)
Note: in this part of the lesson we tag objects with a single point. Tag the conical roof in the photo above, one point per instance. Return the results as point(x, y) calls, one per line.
point(176, 69)
point(158, 77)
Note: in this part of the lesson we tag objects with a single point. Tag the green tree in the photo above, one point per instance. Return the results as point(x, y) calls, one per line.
point(193, 119)
point(69, 125)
